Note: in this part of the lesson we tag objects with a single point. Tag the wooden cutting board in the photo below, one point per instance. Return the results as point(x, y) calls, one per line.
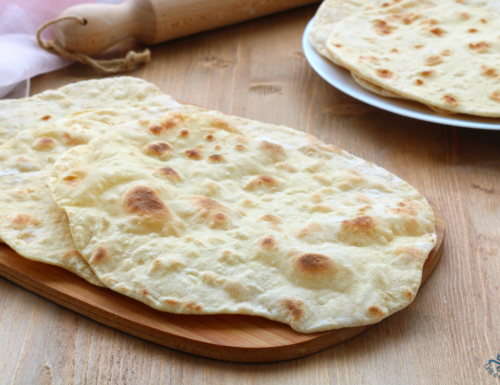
point(237, 338)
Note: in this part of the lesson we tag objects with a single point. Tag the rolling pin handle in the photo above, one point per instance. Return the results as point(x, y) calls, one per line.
point(104, 26)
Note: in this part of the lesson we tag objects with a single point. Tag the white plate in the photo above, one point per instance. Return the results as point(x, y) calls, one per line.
point(341, 79)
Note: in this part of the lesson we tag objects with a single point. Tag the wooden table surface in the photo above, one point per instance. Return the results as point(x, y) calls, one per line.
point(257, 70)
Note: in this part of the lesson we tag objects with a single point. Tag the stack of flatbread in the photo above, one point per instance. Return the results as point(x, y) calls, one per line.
point(195, 212)
point(442, 53)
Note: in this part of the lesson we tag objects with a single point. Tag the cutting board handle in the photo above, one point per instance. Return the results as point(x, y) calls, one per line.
point(155, 21)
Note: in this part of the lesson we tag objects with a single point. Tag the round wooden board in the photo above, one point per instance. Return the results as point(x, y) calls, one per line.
point(237, 338)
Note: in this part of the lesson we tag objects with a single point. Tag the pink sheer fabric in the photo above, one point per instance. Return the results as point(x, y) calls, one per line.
point(21, 58)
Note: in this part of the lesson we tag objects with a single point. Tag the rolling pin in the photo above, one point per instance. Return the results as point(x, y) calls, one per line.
point(155, 21)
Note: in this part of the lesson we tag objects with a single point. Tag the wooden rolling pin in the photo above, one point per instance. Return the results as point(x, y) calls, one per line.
point(155, 21)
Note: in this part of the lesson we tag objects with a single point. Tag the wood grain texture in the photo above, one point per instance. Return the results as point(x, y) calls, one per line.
point(257, 70)
point(235, 338)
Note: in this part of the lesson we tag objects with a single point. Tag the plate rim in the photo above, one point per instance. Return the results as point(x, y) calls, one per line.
point(315, 59)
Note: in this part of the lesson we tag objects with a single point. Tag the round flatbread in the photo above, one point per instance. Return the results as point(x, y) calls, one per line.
point(331, 12)
point(46, 108)
point(441, 53)
point(204, 213)
point(30, 222)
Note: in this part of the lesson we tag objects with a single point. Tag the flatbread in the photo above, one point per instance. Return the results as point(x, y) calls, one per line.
point(331, 12)
point(46, 108)
point(204, 213)
point(441, 53)
point(30, 222)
